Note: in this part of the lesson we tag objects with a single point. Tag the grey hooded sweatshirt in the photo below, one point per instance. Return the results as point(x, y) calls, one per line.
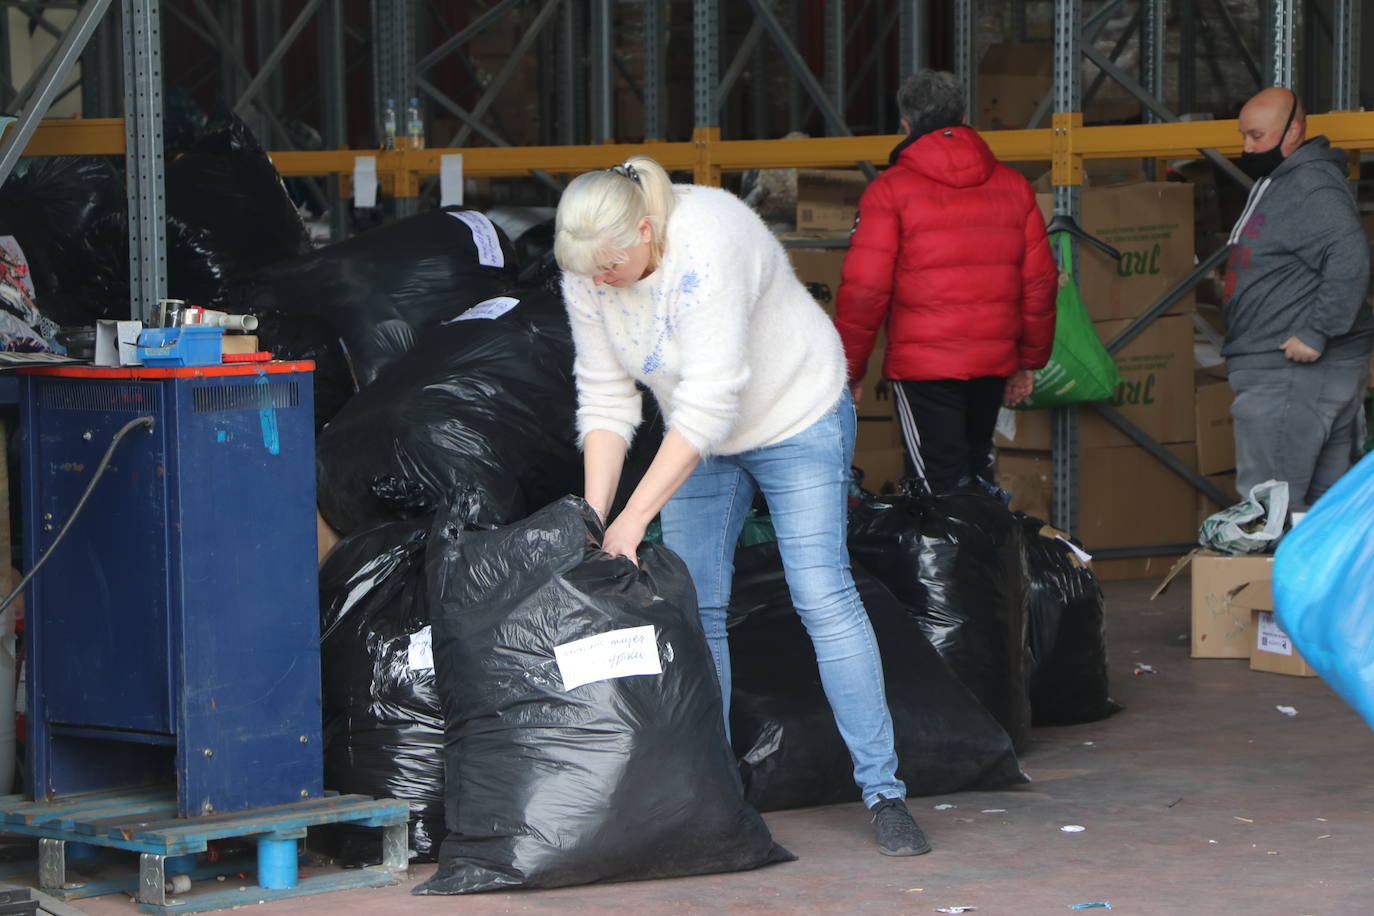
point(1299, 265)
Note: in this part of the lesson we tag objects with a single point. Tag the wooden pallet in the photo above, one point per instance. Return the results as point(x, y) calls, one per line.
point(145, 822)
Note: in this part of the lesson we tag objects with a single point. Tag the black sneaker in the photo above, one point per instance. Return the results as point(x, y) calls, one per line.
point(896, 830)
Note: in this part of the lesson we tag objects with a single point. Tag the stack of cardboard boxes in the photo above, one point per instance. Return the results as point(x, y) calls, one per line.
point(1126, 496)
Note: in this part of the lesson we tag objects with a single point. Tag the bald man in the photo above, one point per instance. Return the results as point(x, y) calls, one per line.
point(1298, 326)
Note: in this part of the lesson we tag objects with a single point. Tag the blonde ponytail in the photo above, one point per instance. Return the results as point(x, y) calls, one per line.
point(599, 213)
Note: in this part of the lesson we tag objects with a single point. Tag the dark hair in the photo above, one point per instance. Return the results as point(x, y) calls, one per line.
point(930, 99)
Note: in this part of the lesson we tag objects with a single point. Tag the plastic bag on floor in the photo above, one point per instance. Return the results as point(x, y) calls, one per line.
point(1252, 525)
point(485, 402)
point(956, 561)
point(791, 754)
point(1324, 587)
point(585, 740)
point(383, 291)
point(383, 722)
point(1068, 638)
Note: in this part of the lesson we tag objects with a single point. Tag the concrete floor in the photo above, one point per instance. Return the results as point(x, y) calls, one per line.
point(1200, 798)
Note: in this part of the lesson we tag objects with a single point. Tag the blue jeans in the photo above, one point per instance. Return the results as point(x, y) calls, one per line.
point(805, 480)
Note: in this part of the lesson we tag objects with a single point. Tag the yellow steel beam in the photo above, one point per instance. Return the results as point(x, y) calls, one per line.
point(78, 137)
point(706, 155)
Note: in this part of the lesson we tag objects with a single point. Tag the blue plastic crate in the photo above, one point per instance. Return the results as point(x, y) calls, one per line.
point(185, 346)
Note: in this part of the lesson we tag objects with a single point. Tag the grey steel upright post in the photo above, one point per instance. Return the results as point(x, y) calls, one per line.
point(1187, 58)
point(267, 27)
point(1345, 62)
point(964, 63)
point(143, 154)
point(1152, 77)
point(1068, 19)
point(654, 126)
point(1281, 31)
point(333, 107)
point(913, 32)
point(600, 62)
point(394, 76)
point(706, 63)
point(102, 68)
point(567, 60)
point(834, 57)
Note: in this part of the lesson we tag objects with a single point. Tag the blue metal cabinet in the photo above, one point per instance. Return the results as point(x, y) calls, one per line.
point(174, 633)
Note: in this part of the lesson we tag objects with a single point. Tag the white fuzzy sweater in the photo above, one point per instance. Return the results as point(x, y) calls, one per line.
point(723, 333)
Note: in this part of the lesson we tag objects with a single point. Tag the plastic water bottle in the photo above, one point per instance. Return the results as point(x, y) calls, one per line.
point(389, 124)
point(415, 125)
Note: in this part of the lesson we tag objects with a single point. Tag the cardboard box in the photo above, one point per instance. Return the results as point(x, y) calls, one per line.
point(1029, 478)
point(1156, 391)
point(1216, 429)
point(1127, 497)
point(1151, 224)
point(883, 468)
point(1012, 79)
point(240, 343)
point(1271, 649)
point(1221, 627)
point(819, 270)
point(877, 433)
point(1025, 430)
point(828, 199)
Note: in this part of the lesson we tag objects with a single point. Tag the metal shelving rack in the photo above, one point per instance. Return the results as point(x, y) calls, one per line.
point(408, 40)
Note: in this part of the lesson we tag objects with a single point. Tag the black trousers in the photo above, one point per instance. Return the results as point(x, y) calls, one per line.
point(947, 428)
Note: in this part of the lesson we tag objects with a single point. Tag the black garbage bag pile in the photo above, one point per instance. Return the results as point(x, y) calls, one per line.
point(381, 292)
point(957, 562)
point(228, 215)
point(585, 740)
point(383, 723)
point(1068, 640)
point(486, 402)
point(791, 754)
point(55, 207)
point(229, 211)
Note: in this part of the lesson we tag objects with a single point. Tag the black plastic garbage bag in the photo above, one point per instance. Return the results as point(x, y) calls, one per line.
point(1068, 639)
point(482, 402)
point(791, 754)
point(383, 723)
point(228, 204)
point(564, 765)
point(383, 291)
point(50, 205)
point(956, 561)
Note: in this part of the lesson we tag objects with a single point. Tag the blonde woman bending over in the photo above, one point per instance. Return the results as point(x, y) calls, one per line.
point(684, 289)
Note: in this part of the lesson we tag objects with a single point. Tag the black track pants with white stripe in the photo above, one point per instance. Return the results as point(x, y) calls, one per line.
point(947, 428)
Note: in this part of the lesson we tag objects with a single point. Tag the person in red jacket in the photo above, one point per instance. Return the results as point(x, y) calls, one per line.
point(949, 253)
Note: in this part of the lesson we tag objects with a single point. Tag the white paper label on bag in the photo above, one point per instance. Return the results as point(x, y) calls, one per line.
point(1006, 423)
point(420, 655)
point(489, 253)
point(619, 653)
point(1079, 552)
point(1269, 636)
point(364, 181)
point(492, 308)
point(451, 180)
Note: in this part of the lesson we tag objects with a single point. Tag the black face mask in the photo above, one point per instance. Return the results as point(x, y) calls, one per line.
point(1259, 165)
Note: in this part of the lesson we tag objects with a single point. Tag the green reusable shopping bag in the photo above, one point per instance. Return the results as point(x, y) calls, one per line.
point(1080, 368)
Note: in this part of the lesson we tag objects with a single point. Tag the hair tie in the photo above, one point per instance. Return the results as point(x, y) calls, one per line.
point(627, 170)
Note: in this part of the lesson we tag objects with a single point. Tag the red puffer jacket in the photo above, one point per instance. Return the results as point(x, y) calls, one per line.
point(950, 252)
